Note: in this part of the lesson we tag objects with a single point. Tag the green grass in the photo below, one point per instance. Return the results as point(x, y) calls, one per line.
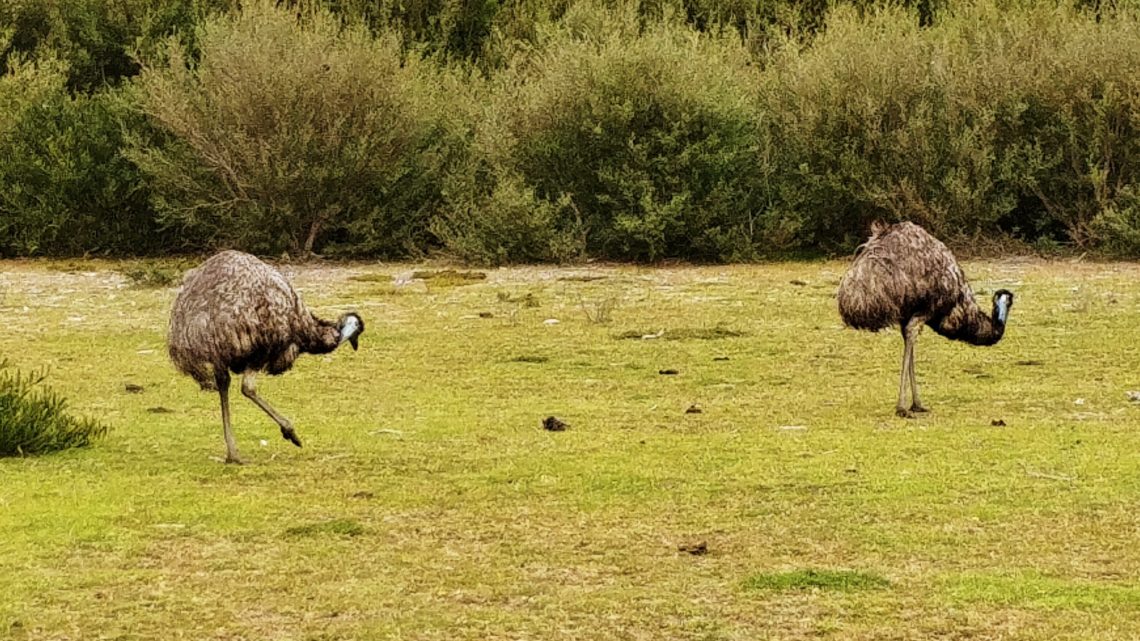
point(812, 579)
point(338, 527)
point(1031, 590)
point(429, 503)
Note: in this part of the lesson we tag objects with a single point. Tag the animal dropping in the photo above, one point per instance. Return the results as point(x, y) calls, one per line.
point(696, 549)
point(553, 424)
point(236, 314)
point(902, 276)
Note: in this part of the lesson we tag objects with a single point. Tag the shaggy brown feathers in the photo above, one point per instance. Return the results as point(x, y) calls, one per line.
point(903, 272)
point(238, 314)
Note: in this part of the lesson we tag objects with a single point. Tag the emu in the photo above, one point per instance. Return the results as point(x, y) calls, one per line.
point(237, 314)
point(904, 276)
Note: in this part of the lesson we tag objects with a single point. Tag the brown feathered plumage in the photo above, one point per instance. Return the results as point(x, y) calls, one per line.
point(237, 314)
point(902, 276)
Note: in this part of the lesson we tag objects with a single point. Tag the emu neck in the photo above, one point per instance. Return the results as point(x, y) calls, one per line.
point(989, 331)
point(320, 337)
point(969, 324)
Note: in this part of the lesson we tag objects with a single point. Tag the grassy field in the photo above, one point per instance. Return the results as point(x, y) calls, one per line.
point(428, 503)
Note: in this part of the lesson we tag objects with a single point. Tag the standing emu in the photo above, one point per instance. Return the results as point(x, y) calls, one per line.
point(237, 314)
point(904, 276)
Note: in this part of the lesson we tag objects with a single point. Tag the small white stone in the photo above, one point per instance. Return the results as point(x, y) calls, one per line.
point(264, 443)
point(550, 321)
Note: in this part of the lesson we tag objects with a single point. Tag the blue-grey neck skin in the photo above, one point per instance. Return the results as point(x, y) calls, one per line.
point(1002, 305)
point(349, 329)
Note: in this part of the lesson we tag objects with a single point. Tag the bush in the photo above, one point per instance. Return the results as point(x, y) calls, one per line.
point(1070, 131)
point(1117, 227)
point(34, 419)
point(867, 127)
point(557, 129)
point(506, 223)
point(289, 132)
point(651, 140)
point(969, 127)
point(65, 188)
point(95, 38)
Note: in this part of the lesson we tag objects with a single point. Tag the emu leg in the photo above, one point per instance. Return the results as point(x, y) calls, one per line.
point(222, 380)
point(913, 328)
point(900, 407)
point(915, 403)
point(249, 388)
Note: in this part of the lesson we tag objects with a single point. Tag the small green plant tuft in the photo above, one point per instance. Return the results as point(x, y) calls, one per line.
point(449, 274)
point(336, 527)
point(599, 312)
point(371, 278)
point(811, 579)
point(526, 300)
point(34, 418)
point(151, 274)
point(450, 277)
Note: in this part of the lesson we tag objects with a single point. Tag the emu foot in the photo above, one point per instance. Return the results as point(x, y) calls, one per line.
point(290, 435)
point(918, 409)
point(233, 459)
point(903, 412)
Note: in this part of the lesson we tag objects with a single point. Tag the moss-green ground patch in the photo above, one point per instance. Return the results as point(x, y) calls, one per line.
point(475, 523)
point(816, 579)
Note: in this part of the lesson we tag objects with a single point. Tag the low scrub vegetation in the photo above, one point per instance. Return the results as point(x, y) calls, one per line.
point(34, 418)
point(560, 130)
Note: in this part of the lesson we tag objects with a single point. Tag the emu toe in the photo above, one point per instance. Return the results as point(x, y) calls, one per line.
point(288, 434)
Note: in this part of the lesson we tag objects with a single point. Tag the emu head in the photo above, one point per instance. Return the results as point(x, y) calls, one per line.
point(351, 327)
point(1003, 301)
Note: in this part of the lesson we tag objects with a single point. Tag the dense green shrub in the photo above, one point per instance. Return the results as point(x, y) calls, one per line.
point(867, 127)
point(652, 139)
point(559, 129)
point(971, 126)
point(1070, 123)
point(96, 38)
point(501, 221)
point(34, 418)
point(289, 131)
point(65, 188)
